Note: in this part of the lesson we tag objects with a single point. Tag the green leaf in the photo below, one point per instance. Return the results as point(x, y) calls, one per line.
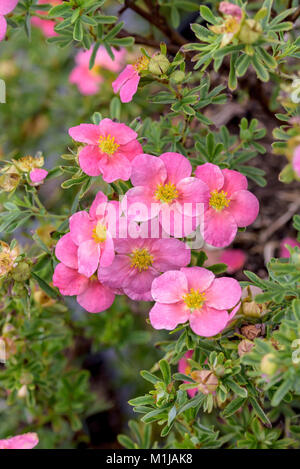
point(78, 31)
point(260, 69)
point(233, 407)
point(259, 412)
point(165, 370)
point(281, 391)
point(44, 286)
point(207, 14)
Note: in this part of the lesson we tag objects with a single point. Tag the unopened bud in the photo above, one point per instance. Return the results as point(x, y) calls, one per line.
point(252, 331)
point(159, 64)
point(177, 77)
point(250, 31)
point(207, 381)
point(245, 346)
point(251, 309)
point(267, 365)
point(21, 273)
point(9, 181)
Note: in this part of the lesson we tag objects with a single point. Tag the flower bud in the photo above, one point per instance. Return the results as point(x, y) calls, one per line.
point(9, 181)
point(21, 273)
point(158, 64)
point(251, 309)
point(252, 330)
point(177, 77)
point(250, 31)
point(207, 381)
point(245, 346)
point(267, 365)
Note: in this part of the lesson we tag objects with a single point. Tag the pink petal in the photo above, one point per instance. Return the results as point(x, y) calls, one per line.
point(7, 6)
point(198, 278)
point(175, 223)
point(244, 207)
point(208, 322)
point(69, 281)
point(169, 287)
point(85, 133)
point(132, 149)
point(178, 166)
point(122, 133)
point(168, 316)
point(133, 295)
point(89, 158)
point(98, 206)
point(3, 27)
point(129, 89)
point(38, 175)
point(25, 441)
point(128, 73)
point(224, 293)
point(115, 167)
point(183, 364)
point(140, 282)
point(116, 274)
point(107, 251)
point(193, 191)
point(233, 181)
point(139, 204)
point(296, 160)
point(96, 297)
point(148, 170)
point(170, 254)
point(66, 251)
point(81, 227)
point(212, 175)
point(234, 258)
point(230, 9)
point(220, 228)
point(88, 257)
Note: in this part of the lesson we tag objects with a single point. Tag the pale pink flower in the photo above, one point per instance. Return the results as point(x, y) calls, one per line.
point(38, 175)
point(164, 187)
point(296, 161)
point(6, 6)
point(184, 368)
point(229, 9)
point(139, 261)
point(25, 441)
point(88, 81)
point(90, 293)
point(46, 26)
point(128, 80)
point(194, 294)
point(110, 149)
point(89, 242)
point(292, 242)
point(230, 205)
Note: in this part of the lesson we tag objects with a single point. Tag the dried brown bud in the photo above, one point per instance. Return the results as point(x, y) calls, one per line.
point(252, 331)
point(207, 381)
point(245, 346)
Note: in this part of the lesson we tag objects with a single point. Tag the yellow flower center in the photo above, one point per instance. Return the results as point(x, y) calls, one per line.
point(6, 263)
point(187, 370)
point(219, 200)
point(166, 192)
point(108, 144)
point(141, 64)
point(232, 25)
point(194, 299)
point(141, 259)
point(99, 233)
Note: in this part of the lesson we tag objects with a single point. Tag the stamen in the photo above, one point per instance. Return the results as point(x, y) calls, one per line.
point(99, 233)
point(219, 200)
point(166, 192)
point(141, 64)
point(141, 259)
point(108, 144)
point(194, 299)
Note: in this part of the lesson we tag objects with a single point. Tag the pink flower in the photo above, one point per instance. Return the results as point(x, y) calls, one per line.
point(91, 294)
point(25, 441)
point(292, 242)
point(89, 242)
point(229, 9)
point(128, 80)
point(46, 26)
point(38, 175)
point(296, 160)
point(110, 149)
point(164, 187)
point(194, 294)
point(139, 261)
point(6, 6)
point(88, 81)
point(234, 258)
point(184, 368)
point(230, 205)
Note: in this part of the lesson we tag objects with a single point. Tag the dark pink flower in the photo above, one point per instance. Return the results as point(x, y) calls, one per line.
point(184, 368)
point(110, 149)
point(38, 175)
point(296, 161)
point(230, 204)
point(139, 261)
point(234, 258)
point(45, 25)
point(25, 441)
point(6, 6)
point(194, 294)
point(292, 242)
point(163, 187)
point(229, 9)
